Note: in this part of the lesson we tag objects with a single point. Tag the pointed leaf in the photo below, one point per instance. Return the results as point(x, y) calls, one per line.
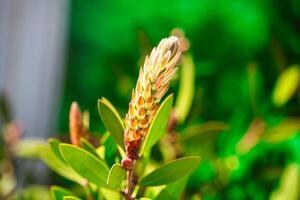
point(60, 167)
point(85, 164)
point(54, 145)
point(158, 125)
point(111, 120)
point(58, 193)
point(116, 175)
point(186, 88)
point(286, 85)
point(88, 146)
point(171, 171)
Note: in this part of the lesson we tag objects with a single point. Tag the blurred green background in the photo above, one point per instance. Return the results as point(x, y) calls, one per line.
point(240, 48)
point(245, 116)
point(109, 39)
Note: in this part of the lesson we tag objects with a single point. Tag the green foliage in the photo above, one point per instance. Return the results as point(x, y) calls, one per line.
point(286, 86)
point(171, 171)
point(242, 67)
point(282, 131)
point(70, 198)
point(88, 147)
point(186, 89)
point(158, 124)
point(85, 164)
point(59, 193)
point(33, 192)
point(112, 120)
point(116, 175)
point(173, 190)
point(51, 160)
point(54, 145)
point(289, 184)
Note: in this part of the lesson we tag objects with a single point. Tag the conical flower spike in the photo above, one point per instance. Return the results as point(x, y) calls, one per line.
point(153, 82)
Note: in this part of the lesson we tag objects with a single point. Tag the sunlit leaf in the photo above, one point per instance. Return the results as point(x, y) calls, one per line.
point(158, 124)
point(60, 167)
point(109, 194)
point(171, 171)
point(101, 152)
point(282, 131)
point(173, 190)
point(116, 175)
point(289, 184)
point(85, 164)
point(58, 193)
point(186, 88)
point(112, 120)
point(54, 145)
point(286, 85)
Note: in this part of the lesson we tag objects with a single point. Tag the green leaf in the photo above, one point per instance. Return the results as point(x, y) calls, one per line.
point(109, 194)
point(171, 171)
point(186, 88)
point(286, 85)
point(71, 198)
point(158, 125)
point(28, 148)
point(58, 193)
point(112, 120)
point(85, 164)
point(109, 148)
point(60, 167)
point(173, 190)
point(116, 175)
point(289, 184)
point(282, 131)
point(88, 146)
point(54, 145)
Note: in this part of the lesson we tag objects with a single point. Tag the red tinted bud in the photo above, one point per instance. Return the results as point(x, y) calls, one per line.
point(127, 163)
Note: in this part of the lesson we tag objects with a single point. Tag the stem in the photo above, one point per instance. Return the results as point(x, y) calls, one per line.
point(130, 186)
point(89, 192)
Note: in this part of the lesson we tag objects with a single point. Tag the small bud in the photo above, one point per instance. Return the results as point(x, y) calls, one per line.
point(127, 163)
point(76, 127)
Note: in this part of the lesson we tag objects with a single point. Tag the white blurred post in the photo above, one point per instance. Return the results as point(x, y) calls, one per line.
point(32, 46)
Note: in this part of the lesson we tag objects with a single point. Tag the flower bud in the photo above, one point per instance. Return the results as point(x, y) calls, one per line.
point(127, 163)
point(153, 82)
